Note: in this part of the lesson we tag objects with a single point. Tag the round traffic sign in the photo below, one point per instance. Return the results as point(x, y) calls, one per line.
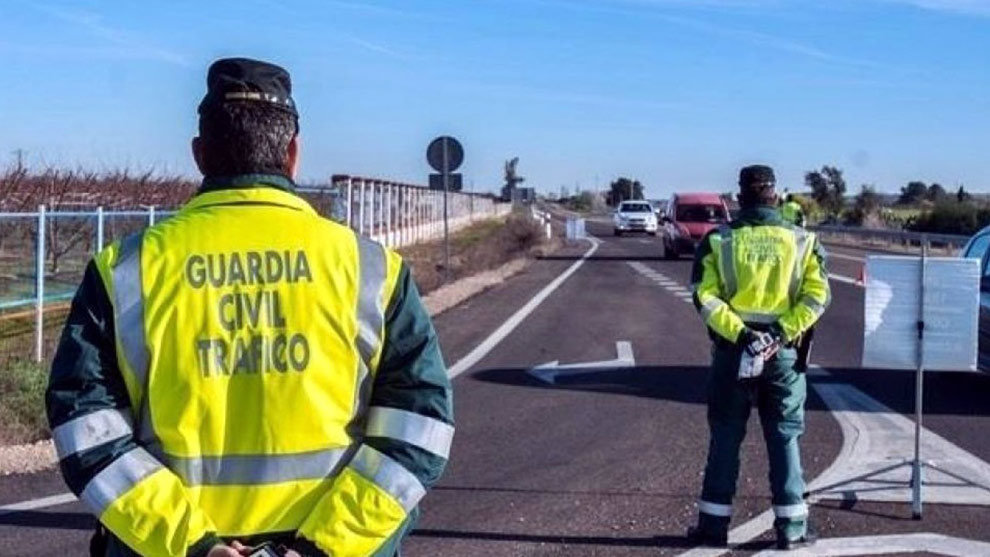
point(440, 161)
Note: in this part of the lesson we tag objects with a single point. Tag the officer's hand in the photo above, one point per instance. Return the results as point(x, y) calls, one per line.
point(746, 338)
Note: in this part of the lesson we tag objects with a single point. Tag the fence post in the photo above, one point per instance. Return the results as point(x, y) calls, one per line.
point(388, 215)
point(350, 202)
point(99, 229)
point(39, 286)
point(151, 215)
point(381, 213)
point(361, 195)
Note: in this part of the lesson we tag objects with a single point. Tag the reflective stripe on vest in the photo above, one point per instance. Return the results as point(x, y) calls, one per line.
point(426, 433)
point(256, 469)
point(797, 276)
point(129, 306)
point(370, 323)
point(129, 316)
point(390, 476)
point(709, 307)
point(91, 430)
point(727, 265)
point(761, 318)
point(118, 478)
point(814, 305)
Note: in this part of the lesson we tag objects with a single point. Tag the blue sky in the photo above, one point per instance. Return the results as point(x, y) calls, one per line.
point(677, 93)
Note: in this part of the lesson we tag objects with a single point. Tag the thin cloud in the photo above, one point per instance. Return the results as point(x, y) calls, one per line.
point(652, 8)
point(371, 46)
point(962, 7)
point(122, 43)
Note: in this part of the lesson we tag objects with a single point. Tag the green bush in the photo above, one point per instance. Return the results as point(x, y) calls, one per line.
point(22, 402)
point(951, 217)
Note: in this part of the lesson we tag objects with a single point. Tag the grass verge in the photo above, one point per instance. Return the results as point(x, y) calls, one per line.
point(22, 408)
point(480, 247)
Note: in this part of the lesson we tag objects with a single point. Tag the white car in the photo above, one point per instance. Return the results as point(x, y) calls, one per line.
point(635, 216)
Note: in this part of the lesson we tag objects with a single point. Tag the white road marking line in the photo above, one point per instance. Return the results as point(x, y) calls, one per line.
point(899, 543)
point(845, 279)
point(40, 503)
point(486, 346)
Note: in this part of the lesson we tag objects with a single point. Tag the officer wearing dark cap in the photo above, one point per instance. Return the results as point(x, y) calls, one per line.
point(759, 284)
point(247, 376)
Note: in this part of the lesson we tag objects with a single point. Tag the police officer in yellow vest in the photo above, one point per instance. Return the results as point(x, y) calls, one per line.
point(792, 211)
point(759, 284)
point(247, 372)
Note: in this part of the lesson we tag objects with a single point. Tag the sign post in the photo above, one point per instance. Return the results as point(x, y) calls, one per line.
point(445, 155)
point(920, 314)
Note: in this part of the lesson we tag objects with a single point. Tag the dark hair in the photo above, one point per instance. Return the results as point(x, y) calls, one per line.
point(246, 138)
point(758, 194)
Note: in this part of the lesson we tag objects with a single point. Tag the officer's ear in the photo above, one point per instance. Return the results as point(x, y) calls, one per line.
point(293, 157)
point(197, 152)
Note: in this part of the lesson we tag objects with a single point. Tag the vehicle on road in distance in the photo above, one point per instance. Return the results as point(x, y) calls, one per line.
point(635, 216)
point(689, 217)
point(976, 248)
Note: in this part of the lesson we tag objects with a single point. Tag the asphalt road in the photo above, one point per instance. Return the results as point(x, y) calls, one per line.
point(609, 462)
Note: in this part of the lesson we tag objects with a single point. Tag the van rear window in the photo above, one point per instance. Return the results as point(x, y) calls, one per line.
point(700, 213)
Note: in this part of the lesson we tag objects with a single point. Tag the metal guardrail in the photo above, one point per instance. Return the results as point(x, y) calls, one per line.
point(896, 236)
point(391, 213)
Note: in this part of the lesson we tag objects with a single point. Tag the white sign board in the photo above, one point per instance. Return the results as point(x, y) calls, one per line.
point(892, 311)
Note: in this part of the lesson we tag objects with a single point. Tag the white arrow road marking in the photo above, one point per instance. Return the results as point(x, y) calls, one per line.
point(900, 543)
point(549, 371)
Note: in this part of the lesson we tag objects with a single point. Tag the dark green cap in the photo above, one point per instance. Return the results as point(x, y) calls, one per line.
point(246, 80)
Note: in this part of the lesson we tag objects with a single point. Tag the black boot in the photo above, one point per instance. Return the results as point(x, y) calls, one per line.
point(697, 536)
point(809, 538)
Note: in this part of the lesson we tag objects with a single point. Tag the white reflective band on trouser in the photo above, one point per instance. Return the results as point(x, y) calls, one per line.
point(117, 479)
point(91, 430)
point(426, 433)
point(790, 511)
point(714, 509)
point(390, 476)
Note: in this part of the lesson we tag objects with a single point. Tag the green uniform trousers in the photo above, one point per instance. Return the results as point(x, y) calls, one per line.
point(779, 396)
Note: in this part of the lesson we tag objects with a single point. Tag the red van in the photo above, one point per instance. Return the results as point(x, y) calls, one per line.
point(689, 217)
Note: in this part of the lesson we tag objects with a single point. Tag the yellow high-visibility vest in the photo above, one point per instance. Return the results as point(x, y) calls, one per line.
point(247, 330)
point(761, 275)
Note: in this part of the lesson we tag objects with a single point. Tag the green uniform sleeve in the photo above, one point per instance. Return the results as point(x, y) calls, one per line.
point(138, 500)
point(406, 441)
point(814, 296)
point(709, 298)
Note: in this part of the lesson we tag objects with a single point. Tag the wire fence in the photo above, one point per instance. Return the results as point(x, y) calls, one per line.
point(43, 253)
